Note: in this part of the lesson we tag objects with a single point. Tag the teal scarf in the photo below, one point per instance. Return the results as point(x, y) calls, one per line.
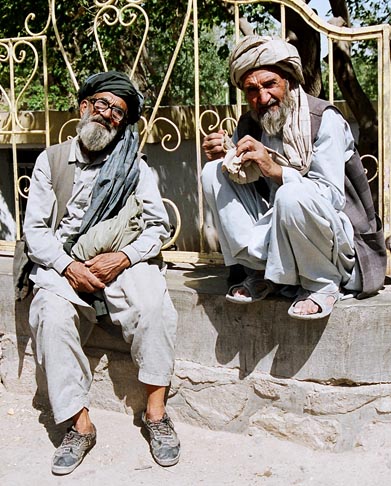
point(117, 180)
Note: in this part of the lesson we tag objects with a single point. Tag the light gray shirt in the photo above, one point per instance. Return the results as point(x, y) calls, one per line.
point(46, 245)
point(333, 147)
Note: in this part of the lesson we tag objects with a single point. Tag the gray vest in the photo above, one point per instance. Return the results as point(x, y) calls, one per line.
point(62, 179)
point(368, 234)
point(62, 174)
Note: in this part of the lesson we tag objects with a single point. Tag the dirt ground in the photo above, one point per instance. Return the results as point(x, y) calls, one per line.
point(121, 456)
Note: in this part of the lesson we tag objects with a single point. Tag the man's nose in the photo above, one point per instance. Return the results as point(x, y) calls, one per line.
point(106, 114)
point(263, 97)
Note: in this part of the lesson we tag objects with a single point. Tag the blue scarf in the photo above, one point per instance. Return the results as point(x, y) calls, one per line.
point(117, 180)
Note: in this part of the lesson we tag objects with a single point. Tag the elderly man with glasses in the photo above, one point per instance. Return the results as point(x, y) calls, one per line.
point(290, 198)
point(95, 223)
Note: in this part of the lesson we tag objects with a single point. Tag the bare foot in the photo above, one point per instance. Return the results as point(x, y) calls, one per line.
point(258, 287)
point(308, 307)
point(241, 292)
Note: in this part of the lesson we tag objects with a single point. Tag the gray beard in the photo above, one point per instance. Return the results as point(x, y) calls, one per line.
point(94, 137)
point(273, 121)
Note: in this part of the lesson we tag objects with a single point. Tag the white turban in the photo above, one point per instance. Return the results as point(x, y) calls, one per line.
point(255, 52)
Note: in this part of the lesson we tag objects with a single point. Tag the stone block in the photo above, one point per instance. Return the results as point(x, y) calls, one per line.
point(241, 369)
point(351, 346)
point(318, 433)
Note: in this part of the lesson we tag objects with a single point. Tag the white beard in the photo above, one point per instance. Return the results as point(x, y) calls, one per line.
point(273, 120)
point(94, 136)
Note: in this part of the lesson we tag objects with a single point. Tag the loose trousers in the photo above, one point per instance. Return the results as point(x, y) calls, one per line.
point(300, 240)
point(138, 301)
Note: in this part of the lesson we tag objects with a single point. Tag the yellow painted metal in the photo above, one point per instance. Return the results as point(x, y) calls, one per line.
point(197, 120)
point(380, 109)
point(237, 38)
point(13, 129)
point(177, 225)
point(384, 107)
point(7, 247)
point(60, 44)
point(333, 31)
point(19, 51)
point(111, 14)
point(283, 22)
point(124, 13)
point(331, 70)
point(168, 73)
point(213, 258)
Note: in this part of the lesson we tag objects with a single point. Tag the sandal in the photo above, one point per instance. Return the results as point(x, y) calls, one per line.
point(251, 283)
point(320, 299)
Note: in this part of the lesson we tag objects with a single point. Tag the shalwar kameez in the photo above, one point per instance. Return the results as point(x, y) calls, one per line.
point(308, 222)
point(300, 236)
point(137, 299)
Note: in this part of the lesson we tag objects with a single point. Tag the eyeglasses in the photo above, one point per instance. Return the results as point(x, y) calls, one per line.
point(101, 104)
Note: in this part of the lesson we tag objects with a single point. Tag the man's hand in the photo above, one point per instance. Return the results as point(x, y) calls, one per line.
point(254, 151)
point(81, 279)
point(107, 266)
point(213, 145)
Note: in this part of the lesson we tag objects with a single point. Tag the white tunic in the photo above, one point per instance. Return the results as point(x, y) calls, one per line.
point(281, 236)
point(137, 299)
point(46, 245)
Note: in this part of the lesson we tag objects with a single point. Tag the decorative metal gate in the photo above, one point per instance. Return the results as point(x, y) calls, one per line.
point(15, 125)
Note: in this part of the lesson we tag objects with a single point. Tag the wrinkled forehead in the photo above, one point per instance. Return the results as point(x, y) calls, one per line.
point(113, 99)
point(261, 75)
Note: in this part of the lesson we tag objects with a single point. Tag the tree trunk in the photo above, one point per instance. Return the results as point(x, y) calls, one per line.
point(358, 101)
point(307, 42)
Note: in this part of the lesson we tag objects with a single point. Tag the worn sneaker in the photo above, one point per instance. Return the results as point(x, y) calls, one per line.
point(164, 442)
point(72, 451)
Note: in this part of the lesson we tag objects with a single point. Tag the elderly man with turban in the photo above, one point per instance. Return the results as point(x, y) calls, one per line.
point(77, 186)
point(290, 199)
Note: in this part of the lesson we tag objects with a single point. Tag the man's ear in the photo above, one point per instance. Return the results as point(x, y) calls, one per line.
point(82, 107)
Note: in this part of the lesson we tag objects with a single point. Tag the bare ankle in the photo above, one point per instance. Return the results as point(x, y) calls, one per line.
point(155, 414)
point(155, 403)
point(82, 422)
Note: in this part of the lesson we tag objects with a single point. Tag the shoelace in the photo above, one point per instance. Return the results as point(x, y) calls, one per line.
point(161, 428)
point(74, 438)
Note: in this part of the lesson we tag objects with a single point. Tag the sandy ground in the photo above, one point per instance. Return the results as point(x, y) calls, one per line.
point(121, 456)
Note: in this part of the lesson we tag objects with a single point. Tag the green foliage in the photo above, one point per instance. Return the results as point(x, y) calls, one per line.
point(325, 80)
point(75, 21)
point(365, 66)
point(365, 54)
point(369, 12)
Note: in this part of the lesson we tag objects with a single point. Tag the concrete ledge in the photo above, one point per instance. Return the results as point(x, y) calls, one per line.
point(351, 347)
point(239, 368)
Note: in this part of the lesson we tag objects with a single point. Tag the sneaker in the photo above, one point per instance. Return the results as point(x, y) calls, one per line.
point(164, 442)
point(72, 451)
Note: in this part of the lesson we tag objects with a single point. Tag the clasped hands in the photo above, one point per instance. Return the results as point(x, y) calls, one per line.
point(94, 274)
point(250, 149)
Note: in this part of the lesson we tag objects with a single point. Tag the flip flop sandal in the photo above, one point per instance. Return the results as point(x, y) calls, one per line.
point(251, 284)
point(319, 298)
